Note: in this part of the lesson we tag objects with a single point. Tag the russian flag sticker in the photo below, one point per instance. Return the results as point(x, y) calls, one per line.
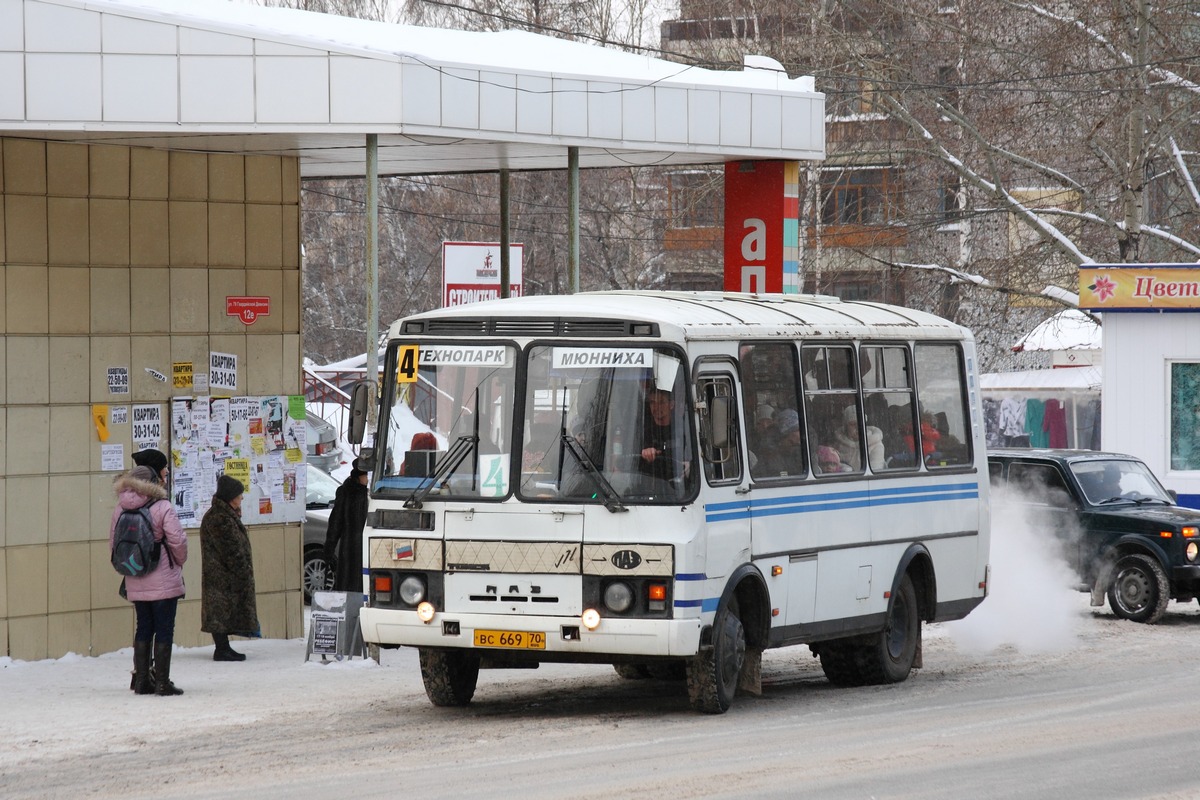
point(403, 551)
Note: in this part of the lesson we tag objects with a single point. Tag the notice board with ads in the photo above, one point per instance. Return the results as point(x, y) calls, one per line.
point(261, 441)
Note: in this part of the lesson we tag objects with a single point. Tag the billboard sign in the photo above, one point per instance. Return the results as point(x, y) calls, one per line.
point(471, 271)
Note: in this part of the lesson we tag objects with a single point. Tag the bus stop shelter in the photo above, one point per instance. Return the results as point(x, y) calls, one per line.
point(151, 155)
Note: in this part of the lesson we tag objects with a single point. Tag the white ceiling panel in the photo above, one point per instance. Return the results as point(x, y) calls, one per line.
point(126, 35)
point(421, 94)
point(291, 89)
point(363, 90)
point(62, 86)
point(216, 89)
point(12, 25)
point(766, 122)
point(460, 98)
point(53, 28)
point(604, 110)
point(570, 107)
point(138, 88)
point(12, 76)
point(535, 107)
point(497, 102)
point(195, 41)
point(736, 111)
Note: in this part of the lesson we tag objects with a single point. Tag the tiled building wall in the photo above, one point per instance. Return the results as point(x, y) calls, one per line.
point(117, 256)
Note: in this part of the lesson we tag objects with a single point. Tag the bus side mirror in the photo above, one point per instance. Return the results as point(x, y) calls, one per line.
point(360, 402)
point(718, 411)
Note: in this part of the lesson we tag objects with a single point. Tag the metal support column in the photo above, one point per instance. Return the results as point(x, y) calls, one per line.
point(573, 219)
point(372, 255)
point(505, 267)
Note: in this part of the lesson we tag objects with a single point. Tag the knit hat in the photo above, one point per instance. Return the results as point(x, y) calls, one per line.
point(154, 459)
point(228, 488)
point(358, 468)
point(850, 414)
point(143, 474)
point(764, 411)
point(827, 455)
point(789, 421)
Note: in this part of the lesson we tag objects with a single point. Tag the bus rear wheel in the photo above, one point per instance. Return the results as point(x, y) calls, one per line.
point(890, 657)
point(449, 676)
point(713, 674)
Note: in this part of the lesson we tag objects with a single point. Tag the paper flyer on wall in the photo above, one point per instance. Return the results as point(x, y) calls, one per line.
point(261, 441)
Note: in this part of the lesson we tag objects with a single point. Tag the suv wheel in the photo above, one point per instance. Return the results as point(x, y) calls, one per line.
point(316, 575)
point(1139, 590)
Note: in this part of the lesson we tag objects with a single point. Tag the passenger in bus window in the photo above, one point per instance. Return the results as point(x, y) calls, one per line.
point(929, 435)
point(787, 456)
point(828, 461)
point(846, 441)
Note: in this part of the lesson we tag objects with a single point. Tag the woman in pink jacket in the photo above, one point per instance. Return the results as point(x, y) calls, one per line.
point(155, 596)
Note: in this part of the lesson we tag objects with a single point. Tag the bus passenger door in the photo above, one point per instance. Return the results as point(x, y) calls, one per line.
point(726, 483)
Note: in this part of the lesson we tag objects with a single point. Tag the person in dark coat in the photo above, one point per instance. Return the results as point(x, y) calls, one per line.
point(155, 595)
point(343, 538)
point(227, 600)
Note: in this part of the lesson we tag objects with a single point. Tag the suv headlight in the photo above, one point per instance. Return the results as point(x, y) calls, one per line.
point(1191, 551)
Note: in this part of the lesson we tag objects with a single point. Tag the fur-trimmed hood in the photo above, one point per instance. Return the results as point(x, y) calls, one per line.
point(134, 492)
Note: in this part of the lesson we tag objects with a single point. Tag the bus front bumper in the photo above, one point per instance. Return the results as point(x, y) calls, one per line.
point(561, 636)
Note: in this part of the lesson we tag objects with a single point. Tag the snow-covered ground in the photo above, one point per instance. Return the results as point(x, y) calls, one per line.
point(1035, 676)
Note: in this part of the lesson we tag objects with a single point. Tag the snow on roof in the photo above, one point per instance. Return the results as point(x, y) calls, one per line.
point(508, 50)
point(1071, 329)
point(197, 74)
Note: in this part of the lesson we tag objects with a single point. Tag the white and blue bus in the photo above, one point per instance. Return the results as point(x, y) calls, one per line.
point(672, 483)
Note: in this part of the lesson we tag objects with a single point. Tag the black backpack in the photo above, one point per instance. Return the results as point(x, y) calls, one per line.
point(134, 551)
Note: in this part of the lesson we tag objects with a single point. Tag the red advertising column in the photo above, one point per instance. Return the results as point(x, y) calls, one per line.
point(762, 206)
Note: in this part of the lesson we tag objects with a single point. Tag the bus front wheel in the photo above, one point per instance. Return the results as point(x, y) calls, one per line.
point(449, 676)
point(712, 675)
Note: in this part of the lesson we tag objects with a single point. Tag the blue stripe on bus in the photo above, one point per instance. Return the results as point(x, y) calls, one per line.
point(707, 604)
point(691, 576)
point(833, 501)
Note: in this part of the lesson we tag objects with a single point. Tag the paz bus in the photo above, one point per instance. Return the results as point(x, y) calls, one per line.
point(672, 483)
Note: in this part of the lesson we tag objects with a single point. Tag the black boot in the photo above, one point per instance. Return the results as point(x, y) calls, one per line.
point(162, 670)
point(143, 673)
point(223, 651)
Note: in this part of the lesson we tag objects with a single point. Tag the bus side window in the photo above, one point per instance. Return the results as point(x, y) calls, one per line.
point(942, 401)
point(720, 439)
point(774, 429)
point(888, 400)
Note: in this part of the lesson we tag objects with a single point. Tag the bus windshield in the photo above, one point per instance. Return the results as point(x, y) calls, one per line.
point(605, 423)
point(448, 420)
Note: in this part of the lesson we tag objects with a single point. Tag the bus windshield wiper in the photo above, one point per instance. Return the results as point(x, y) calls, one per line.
point(612, 498)
point(462, 447)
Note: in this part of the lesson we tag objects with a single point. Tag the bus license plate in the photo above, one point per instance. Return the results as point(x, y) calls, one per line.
point(518, 640)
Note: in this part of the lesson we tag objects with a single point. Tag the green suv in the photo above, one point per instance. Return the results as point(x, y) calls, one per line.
point(1120, 530)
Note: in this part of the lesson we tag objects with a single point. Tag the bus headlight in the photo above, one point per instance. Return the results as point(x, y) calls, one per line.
point(1192, 551)
point(618, 597)
point(412, 590)
point(425, 612)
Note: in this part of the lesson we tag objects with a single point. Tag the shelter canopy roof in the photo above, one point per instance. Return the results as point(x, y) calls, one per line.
point(207, 75)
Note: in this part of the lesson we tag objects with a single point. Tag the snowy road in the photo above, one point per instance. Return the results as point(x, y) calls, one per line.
point(1114, 714)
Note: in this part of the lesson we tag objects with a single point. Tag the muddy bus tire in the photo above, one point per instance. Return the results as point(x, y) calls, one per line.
point(890, 657)
point(449, 676)
point(712, 675)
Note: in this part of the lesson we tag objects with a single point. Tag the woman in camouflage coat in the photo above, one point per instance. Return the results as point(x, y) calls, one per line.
point(227, 604)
